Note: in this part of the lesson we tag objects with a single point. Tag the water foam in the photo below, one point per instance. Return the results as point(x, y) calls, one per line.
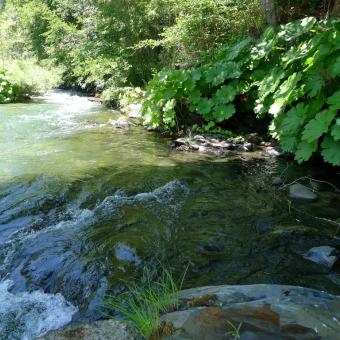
point(26, 315)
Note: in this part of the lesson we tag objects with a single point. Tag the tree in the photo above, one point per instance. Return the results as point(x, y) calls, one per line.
point(269, 8)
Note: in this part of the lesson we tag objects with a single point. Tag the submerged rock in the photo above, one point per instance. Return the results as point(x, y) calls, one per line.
point(259, 312)
point(99, 330)
point(120, 123)
point(277, 181)
point(323, 255)
point(301, 192)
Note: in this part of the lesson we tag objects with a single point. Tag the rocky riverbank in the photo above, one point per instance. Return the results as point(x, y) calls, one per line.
point(234, 312)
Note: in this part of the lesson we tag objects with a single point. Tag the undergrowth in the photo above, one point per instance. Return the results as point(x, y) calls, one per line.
point(291, 74)
point(144, 302)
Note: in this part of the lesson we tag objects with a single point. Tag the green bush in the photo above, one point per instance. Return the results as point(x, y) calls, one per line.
point(31, 78)
point(293, 75)
point(8, 91)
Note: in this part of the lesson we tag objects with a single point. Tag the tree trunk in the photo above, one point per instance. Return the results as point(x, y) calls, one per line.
point(335, 12)
point(268, 7)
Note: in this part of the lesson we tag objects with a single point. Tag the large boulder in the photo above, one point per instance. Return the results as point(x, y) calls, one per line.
point(256, 312)
point(99, 330)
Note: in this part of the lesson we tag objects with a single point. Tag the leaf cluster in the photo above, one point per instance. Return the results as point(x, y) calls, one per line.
point(291, 74)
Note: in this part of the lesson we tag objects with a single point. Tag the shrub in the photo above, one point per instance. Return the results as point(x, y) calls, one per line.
point(31, 78)
point(292, 75)
point(8, 91)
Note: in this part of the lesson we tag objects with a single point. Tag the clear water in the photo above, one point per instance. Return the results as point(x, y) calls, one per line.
point(84, 207)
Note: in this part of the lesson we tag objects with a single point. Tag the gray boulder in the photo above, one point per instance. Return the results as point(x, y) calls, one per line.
point(259, 311)
point(99, 330)
point(302, 193)
point(323, 255)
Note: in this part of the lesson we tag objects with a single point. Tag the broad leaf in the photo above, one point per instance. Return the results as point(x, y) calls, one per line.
point(335, 130)
point(305, 151)
point(224, 95)
point(331, 150)
point(334, 101)
point(316, 127)
point(296, 28)
point(223, 112)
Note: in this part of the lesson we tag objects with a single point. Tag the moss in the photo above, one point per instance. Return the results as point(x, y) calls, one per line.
point(203, 301)
point(165, 328)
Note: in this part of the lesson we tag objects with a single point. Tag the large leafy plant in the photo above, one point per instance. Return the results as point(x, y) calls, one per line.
point(8, 91)
point(292, 74)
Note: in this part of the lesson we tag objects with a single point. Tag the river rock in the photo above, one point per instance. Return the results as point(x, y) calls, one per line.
point(301, 192)
point(99, 330)
point(133, 111)
point(180, 141)
point(120, 123)
point(323, 255)
point(261, 311)
point(277, 181)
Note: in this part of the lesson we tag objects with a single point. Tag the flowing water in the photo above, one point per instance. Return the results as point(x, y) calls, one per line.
point(84, 207)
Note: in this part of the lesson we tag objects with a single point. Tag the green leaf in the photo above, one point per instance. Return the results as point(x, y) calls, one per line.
point(314, 84)
point(334, 101)
point(318, 126)
point(335, 130)
point(331, 150)
point(334, 68)
point(204, 106)
point(220, 72)
point(270, 82)
point(305, 151)
point(294, 119)
point(235, 50)
point(296, 28)
point(223, 112)
point(285, 93)
point(288, 143)
point(224, 95)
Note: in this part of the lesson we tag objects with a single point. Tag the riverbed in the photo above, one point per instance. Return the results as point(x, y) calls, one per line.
point(85, 207)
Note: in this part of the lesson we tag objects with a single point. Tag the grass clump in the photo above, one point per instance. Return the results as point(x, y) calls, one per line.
point(145, 301)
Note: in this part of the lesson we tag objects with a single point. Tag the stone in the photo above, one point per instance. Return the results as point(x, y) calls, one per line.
point(247, 147)
point(271, 151)
point(180, 141)
point(261, 311)
point(277, 181)
point(120, 123)
point(324, 255)
point(225, 145)
point(301, 192)
point(254, 138)
point(183, 148)
point(99, 330)
point(133, 111)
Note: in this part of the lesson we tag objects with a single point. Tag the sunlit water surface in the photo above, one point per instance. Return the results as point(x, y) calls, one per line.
point(84, 207)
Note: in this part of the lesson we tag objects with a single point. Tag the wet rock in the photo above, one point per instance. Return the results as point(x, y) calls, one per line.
point(260, 311)
point(120, 123)
point(254, 138)
point(247, 147)
point(183, 148)
point(271, 151)
point(277, 181)
point(100, 330)
point(324, 255)
point(225, 145)
point(180, 141)
point(301, 192)
point(133, 111)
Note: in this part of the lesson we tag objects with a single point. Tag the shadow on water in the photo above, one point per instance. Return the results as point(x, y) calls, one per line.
point(114, 202)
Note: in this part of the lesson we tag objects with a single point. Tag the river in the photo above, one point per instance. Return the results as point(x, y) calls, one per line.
point(84, 207)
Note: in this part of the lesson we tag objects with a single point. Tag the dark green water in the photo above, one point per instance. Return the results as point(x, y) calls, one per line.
point(84, 206)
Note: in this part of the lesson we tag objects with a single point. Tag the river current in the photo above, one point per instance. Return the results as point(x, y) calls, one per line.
point(84, 207)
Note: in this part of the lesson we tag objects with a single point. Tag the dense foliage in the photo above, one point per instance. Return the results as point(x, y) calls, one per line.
point(293, 75)
point(107, 44)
